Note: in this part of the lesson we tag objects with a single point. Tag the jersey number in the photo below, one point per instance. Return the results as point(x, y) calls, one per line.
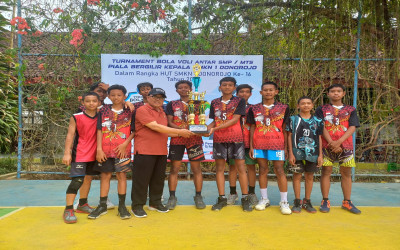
point(337, 121)
point(267, 121)
point(306, 132)
point(223, 116)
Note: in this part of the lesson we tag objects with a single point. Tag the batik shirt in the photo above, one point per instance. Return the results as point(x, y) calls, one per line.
point(178, 109)
point(337, 121)
point(116, 128)
point(246, 127)
point(268, 134)
point(222, 112)
point(305, 137)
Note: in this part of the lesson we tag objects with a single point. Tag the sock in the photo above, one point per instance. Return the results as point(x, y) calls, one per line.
point(244, 195)
point(198, 193)
point(82, 201)
point(103, 201)
point(264, 193)
point(325, 199)
point(222, 196)
point(232, 189)
point(283, 196)
point(171, 193)
point(69, 207)
point(252, 190)
point(121, 199)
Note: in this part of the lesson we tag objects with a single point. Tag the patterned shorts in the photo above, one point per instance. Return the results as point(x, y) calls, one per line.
point(115, 165)
point(345, 158)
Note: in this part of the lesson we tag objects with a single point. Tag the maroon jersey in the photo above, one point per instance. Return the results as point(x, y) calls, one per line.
point(85, 143)
point(116, 128)
point(221, 113)
point(337, 121)
point(268, 134)
point(179, 110)
point(138, 104)
point(246, 127)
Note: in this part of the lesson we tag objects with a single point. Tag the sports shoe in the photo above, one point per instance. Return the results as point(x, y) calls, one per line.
point(221, 202)
point(246, 204)
point(325, 206)
point(123, 213)
point(171, 204)
point(284, 206)
point(159, 207)
point(97, 212)
point(349, 206)
point(296, 206)
point(308, 206)
point(232, 198)
point(85, 209)
point(69, 216)
point(139, 212)
point(253, 199)
point(110, 205)
point(262, 204)
point(198, 202)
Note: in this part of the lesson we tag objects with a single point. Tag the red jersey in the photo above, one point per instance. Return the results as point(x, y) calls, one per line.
point(116, 128)
point(85, 143)
point(179, 111)
point(337, 121)
point(246, 127)
point(221, 112)
point(268, 134)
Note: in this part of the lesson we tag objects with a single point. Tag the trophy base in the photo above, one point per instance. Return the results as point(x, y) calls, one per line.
point(198, 129)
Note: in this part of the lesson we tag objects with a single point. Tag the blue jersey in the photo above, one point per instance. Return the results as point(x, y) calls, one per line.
point(305, 137)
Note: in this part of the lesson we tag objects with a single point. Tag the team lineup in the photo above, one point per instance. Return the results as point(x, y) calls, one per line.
point(99, 143)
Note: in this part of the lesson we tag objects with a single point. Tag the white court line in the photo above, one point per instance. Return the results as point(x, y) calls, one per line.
point(13, 212)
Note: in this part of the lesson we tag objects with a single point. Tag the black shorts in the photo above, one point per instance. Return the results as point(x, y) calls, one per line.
point(83, 168)
point(304, 166)
point(195, 153)
point(114, 165)
point(226, 151)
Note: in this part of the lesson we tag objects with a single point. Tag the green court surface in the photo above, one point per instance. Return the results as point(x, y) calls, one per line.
point(5, 211)
point(185, 227)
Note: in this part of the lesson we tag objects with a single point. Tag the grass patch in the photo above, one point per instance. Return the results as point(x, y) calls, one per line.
point(8, 165)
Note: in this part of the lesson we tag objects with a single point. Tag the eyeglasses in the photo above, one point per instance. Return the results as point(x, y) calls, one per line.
point(158, 97)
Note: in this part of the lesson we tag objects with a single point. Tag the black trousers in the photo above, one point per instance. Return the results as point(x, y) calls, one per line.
point(148, 172)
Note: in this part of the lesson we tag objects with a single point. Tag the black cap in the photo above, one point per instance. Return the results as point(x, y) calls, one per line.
point(157, 91)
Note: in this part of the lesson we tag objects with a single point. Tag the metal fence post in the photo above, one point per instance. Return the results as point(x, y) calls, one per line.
point(190, 26)
point(19, 13)
point(355, 88)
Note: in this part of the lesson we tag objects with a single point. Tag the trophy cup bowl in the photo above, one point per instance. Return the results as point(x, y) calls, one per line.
point(197, 105)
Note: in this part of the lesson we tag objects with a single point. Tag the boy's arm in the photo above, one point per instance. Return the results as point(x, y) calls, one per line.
point(171, 122)
point(285, 138)
point(121, 149)
point(320, 157)
point(229, 123)
point(347, 134)
point(129, 106)
point(100, 156)
point(69, 141)
point(173, 132)
point(252, 129)
point(292, 158)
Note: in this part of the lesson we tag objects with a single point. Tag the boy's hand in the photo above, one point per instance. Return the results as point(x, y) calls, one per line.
point(67, 159)
point(320, 161)
point(185, 133)
point(211, 131)
point(334, 144)
point(292, 159)
point(121, 150)
point(129, 106)
point(101, 156)
point(104, 86)
point(337, 150)
point(251, 153)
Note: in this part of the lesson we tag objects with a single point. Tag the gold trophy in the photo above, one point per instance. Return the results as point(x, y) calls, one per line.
point(197, 105)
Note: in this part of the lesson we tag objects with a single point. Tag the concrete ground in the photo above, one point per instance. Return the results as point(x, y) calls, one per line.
point(31, 217)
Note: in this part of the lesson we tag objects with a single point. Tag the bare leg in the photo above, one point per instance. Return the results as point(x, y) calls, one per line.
point(297, 184)
point(243, 179)
point(220, 178)
point(346, 182)
point(173, 175)
point(280, 175)
point(197, 175)
point(85, 188)
point(326, 180)
point(251, 172)
point(232, 175)
point(121, 177)
point(105, 183)
point(70, 199)
point(263, 177)
point(309, 181)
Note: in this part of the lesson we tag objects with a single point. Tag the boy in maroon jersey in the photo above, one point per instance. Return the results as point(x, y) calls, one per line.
point(80, 152)
point(228, 139)
point(143, 89)
point(340, 122)
point(114, 135)
point(244, 91)
point(268, 142)
point(177, 113)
